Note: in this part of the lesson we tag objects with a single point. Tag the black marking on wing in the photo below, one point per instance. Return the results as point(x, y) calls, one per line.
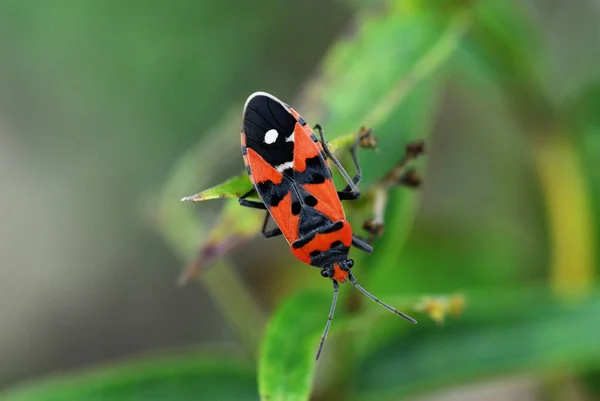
point(289, 172)
point(337, 226)
point(262, 113)
point(271, 193)
point(311, 221)
point(311, 201)
point(299, 243)
point(296, 208)
point(303, 203)
point(316, 172)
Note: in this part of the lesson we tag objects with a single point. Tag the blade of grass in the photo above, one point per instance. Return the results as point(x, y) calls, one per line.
point(177, 377)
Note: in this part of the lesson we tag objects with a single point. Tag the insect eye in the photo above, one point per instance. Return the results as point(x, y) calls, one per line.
point(325, 273)
point(349, 263)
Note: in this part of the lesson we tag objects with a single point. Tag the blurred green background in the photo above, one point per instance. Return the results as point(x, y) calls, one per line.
point(111, 111)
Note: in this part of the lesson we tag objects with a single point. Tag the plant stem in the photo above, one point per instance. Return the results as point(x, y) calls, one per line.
point(569, 212)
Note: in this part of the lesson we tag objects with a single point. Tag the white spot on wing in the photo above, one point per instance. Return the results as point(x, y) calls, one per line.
point(271, 136)
point(290, 138)
point(284, 166)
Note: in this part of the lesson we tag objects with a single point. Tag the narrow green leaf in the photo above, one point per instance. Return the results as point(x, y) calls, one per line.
point(232, 188)
point(287, 355)
point(509, 57)
point(501, 332)
point(189, 376)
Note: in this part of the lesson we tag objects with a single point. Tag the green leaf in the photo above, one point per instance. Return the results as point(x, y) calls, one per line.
point(501, 332)
point(232, 188)
point(507, 58)
point(188, 376)
point(287, 354)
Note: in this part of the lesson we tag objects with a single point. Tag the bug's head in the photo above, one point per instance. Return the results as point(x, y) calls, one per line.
point(338, 270)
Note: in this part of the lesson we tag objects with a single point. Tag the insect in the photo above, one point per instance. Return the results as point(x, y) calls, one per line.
point(289, 168)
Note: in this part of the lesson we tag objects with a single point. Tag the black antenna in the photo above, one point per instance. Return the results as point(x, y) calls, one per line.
point(335, 295)
point(372, 297)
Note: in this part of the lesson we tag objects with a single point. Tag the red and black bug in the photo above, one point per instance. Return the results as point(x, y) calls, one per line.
point(289, 168)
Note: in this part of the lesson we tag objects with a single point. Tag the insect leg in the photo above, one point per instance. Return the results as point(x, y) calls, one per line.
point(346, 193)
point(272, 233)
point(362, 245)
point(249, 203)
point(329, 319)
point(351, 191)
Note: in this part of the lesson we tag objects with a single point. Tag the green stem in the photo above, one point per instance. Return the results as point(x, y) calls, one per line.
point(236, 303)
point(184, 232)
point(569, 212)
